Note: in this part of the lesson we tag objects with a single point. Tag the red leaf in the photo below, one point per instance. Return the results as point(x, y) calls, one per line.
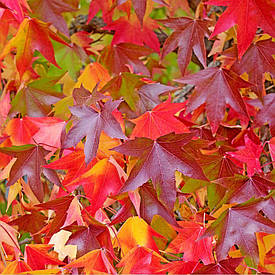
point(250, 155)
point(129, 30)
point(160, 121)
point(38, 256)
point(188, 242)
point(227, 266)
point(248, 15)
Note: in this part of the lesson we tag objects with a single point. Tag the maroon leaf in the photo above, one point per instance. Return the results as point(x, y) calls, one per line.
point(60, 206)
point(238, 225)
point(51, 10)
point(150, 205)
point(157, 156)
point(227, 266)
point(149, 95)
point(266, 114)
point(256, 61)
point(188, 35)
point(30, 162)
point(89, 238)
point(90, 125)
point(216, 87)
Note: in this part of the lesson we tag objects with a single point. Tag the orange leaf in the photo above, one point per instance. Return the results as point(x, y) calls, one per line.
point(93, 73)
point(141, 260)
point(135, 231)
point(32, 35)
point(94, 262)
point(16, 267)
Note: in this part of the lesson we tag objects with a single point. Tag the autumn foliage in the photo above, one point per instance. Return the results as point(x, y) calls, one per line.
point(137, 136)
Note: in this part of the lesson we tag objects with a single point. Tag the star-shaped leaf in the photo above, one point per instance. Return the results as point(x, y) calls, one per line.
point(238, 225)
point(256, 61)
point(227, 266)
point(157, 156)
point(159, 121)
point(248, 15)
point(249, 155)
point(124, 56)
point(188, 35)
point(34, 101)
point(32, 35)
point(267, 112)
point(129, 30)
point(216, 87)
point(90, 125)
point(30, 161)
point(187, 242)
point(50, 11)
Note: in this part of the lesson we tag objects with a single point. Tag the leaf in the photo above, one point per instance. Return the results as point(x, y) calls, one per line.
point(101, 181)
point(21, 131)
point(238, 225)
point(50, 11)
point(180, 267)
point(141, 260)
point(16, 267)
point(188, 242)
point(129, 30)
point(59, 241)
point(94, 262)
point(38, 256)
point(93, 74)
point(157, 156)
point(74, 163)
point(188, 35)
point(74, 213)
point(241, 189)
point(160, 121)
point(216, 87)
point(60, 206)
point(227, 266)
point(8, 235)
point(32, 35)
point(35, 100)
point(256, 61)
point(149, 95)
point(125, 57)
point(266, 244)
point(151, 206)
point(265, 115)
point(124, 85)
point(250, 155)
point(30, 159)
point(136, 232)
point(140, 7)
point(95, 236)
point(91, 123)
point(248, 15)
point(31, 223)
